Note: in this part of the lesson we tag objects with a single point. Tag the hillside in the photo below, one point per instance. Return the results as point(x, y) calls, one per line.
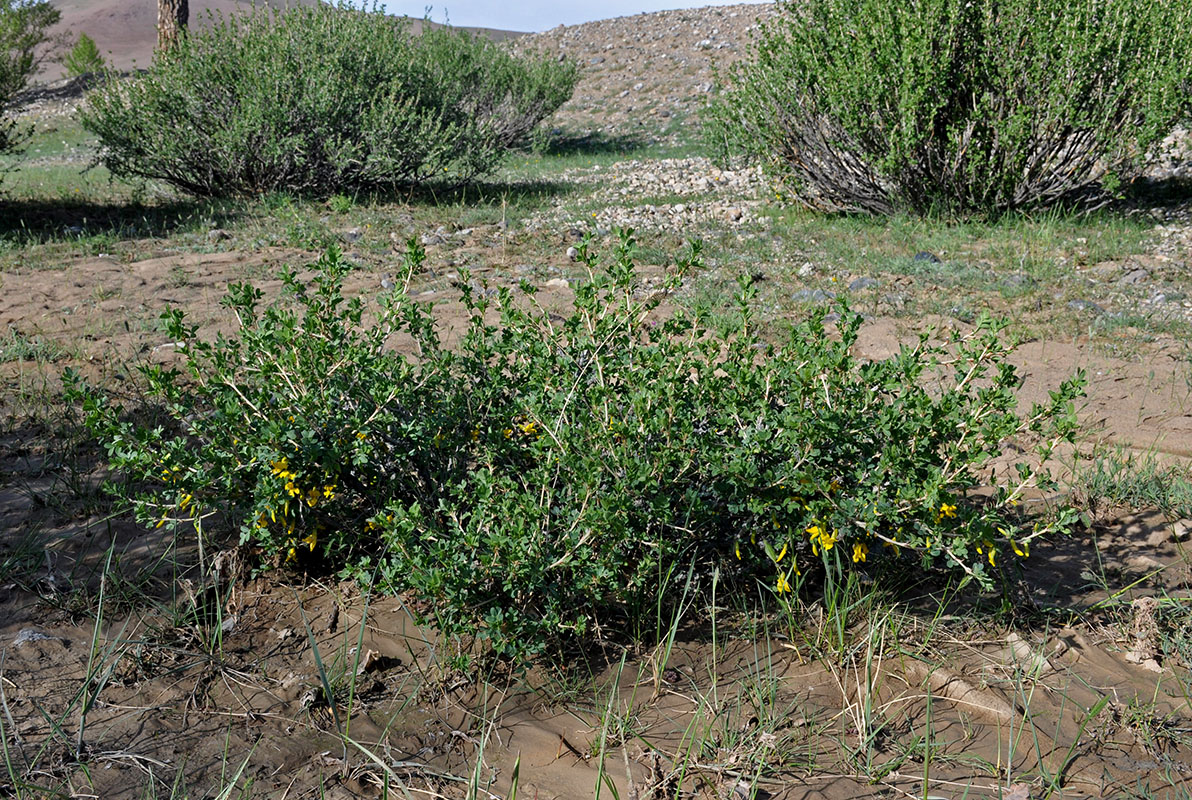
point(126, 30)
point(647, 71)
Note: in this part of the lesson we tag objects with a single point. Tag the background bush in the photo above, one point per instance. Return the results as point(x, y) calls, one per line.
point(546, 477)
point(83, 58)
point(321, 100)
point(24, 35)
point(958, 105)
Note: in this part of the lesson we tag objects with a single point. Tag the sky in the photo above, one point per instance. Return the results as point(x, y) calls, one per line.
point(534, 15)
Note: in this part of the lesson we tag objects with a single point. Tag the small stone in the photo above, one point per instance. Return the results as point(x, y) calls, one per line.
point(861, 284)
point(558, 283)
point(387, 283)
point(572, 254)
point(218, 235)
point(923, 255)
point(429, 239)
point(353, 235)
point(1134, 277)
point(1181, 528)
point(813, 295)
point(1085, 305)
point(806, 270)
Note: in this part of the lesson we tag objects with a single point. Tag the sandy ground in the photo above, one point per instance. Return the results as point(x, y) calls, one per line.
point(170, 698)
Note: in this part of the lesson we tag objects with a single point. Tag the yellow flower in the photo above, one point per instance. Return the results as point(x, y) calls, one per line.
point(737, 550)
point(860, 551)
point(184, 500)
point(329, 491)
point(311, 541)
point(1023, 549)
point(821, 538)
point(292, 488)
point(529, 428)
point(361, 435)
point(992, 557)
point(312, 496)
point(781, 555)
point(439, 439)
point(508, 433)
point(783, 584)
point(946, 510)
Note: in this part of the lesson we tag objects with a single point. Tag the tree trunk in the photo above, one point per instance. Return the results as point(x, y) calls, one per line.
point(172, 16)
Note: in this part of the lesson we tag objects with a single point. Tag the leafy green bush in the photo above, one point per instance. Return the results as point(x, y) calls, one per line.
point(24, 34)
point(958, 105)
point(543, 477)
point(320, 100)
point(83, 58)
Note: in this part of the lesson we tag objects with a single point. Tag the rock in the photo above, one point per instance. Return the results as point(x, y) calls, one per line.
point(1134, 277)
point(387, 283)
point(1085, 305)
point(352, 235)
point(1181, 528)
point(429, 239)
point(861, 284)
point(923, 255)
point(572, 253)
point(558, 283)
point(806, 270)
point(218, 235)
point(813, 295)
